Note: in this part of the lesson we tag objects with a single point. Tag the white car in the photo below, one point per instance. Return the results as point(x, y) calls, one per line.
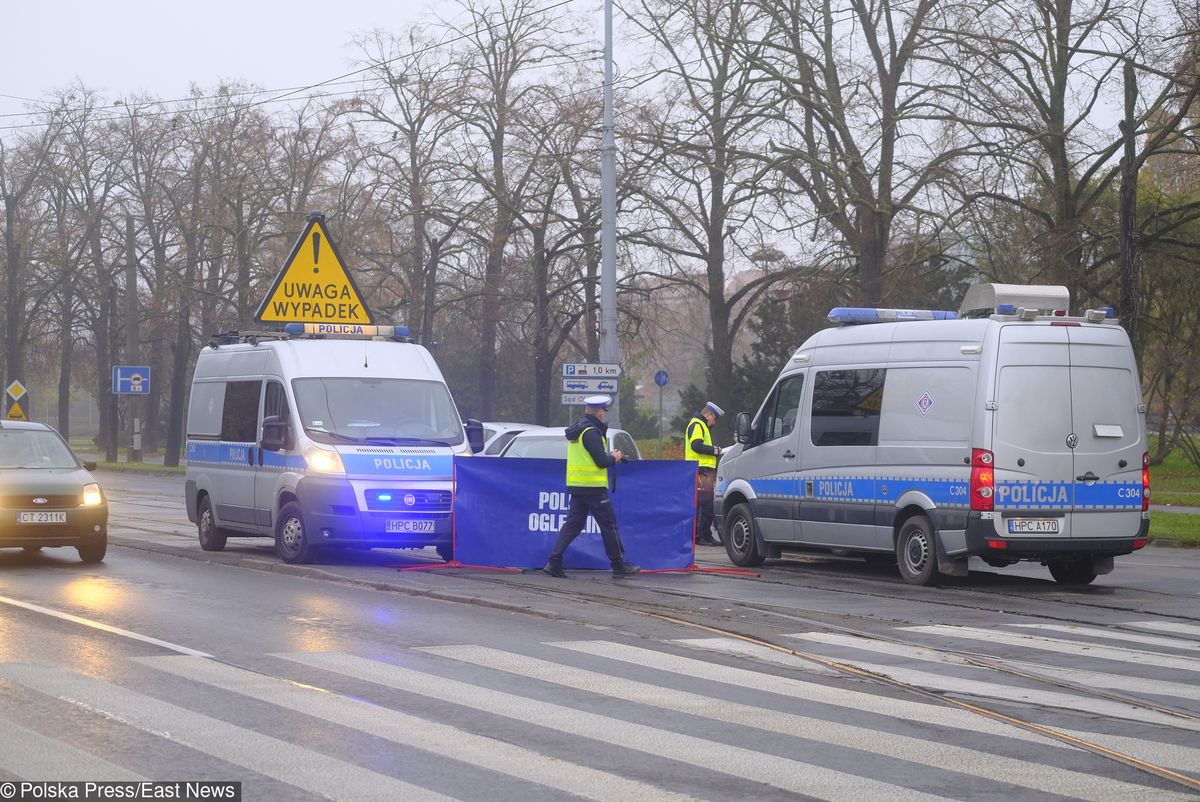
point(498, 434)
point(551, 443)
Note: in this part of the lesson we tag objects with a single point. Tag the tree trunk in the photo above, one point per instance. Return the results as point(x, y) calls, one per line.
point(66, 355)
point(13, 299)
point(543, 360)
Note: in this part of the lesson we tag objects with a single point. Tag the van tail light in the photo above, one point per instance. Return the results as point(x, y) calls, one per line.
point(1145, 481)
point(983, 480)
point(1140, 543)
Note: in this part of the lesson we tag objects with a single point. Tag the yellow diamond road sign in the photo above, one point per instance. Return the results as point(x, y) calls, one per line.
point(16, 389)
point(15, 412)
point(313, 286)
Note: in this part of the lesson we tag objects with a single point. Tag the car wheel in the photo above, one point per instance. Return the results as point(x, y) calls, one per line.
point(92, 553)
point(211, 538)
point(740, 543)
point(292, 544)
point(446, 552)
point(1078, 571)
point(916, 552)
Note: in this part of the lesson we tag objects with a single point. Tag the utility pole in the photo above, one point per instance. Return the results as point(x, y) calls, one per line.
point(609, 348)
point(131, 339)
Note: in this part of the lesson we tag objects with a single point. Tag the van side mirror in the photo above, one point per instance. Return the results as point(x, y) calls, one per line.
point(276, 434)
point(474, 431)
point(743, 432)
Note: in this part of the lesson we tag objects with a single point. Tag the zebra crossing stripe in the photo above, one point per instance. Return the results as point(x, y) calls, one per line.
point(1167, 626)
point(980, 765)
point(1106, 634)
point(1099, 679)
point(294, 765)
point(1059, 646)
point(393, 725)
point(32, 756)
point(746, 764)
point(935, 714)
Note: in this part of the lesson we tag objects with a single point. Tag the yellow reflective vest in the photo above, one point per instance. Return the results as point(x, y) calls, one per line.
point(705, 460)
point(582, 470)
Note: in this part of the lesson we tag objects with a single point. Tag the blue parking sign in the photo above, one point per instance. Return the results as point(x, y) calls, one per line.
point(131, 380)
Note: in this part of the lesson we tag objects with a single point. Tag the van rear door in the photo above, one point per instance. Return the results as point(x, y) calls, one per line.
point(1105, 399)
point(1034, 464)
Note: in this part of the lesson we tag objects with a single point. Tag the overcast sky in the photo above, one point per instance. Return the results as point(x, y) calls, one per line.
point(124, 47)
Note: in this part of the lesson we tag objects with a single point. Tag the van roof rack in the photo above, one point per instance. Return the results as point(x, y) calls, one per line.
point(854, 315)
point(984, 300)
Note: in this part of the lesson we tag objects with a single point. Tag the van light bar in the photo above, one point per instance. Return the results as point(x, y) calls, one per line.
point(867, 314)
point(1006, 309)
point(1097, 315)
point(1025, 313)
point(346, 330)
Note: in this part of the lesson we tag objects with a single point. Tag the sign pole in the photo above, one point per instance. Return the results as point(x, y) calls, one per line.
point(131, 339)
point(660, 424)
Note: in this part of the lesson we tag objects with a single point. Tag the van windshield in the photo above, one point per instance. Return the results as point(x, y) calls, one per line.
point(377, 411)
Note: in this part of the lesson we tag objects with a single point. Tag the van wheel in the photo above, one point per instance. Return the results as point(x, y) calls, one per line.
point(1072, 572)
point(446, 552)
point(740, 543)
point(92, 553)
point(291, 541)
point(211, 538)
point(916, 553)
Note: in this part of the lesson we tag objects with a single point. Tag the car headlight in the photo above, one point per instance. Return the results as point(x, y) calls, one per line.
point(322, 461)
point(92, 496)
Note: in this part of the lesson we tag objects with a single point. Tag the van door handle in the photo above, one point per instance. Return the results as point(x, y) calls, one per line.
point(250, 455)
point(788, 454)
point(1087, 477)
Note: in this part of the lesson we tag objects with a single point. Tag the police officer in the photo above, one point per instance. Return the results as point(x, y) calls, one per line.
point(587, 480)
point(698, 446)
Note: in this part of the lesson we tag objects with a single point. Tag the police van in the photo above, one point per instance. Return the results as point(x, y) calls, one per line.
point(323, 435)
point(1010, 431)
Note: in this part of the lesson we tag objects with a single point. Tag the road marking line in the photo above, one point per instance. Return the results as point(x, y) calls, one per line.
point(124, 633)
point(1058, 646)
point(735, 761)
point(1167, 626)
point(923, 751)
point(929, 713)
point(399, 727)
point(36, 758)
point(1100, 679)
point(1107, 634)
point(294, 765)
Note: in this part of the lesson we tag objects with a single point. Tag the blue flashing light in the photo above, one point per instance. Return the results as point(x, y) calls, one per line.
point(1006, 309)
point(294, 328)
point(384, 497)
point(401, 331)
point(1107, 310)
point(868, 314)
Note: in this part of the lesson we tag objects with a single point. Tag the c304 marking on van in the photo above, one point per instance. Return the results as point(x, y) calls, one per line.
point(439, 465)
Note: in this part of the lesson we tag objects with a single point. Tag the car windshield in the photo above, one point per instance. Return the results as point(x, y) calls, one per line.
point(34, 448)
point(379, 411)
point(554, 447)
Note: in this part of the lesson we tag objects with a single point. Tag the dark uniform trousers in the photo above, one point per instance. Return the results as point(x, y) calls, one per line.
point(705, 479)
point(601, 508)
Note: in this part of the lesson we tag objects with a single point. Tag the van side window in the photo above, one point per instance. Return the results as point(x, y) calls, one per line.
point(778, 418)
point(205, 410)
point(845, 407)
point(276, 402)
point(239, 422)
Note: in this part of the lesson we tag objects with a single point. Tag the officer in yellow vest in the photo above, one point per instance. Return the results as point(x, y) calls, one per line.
point(698, 447)
point(587, 480)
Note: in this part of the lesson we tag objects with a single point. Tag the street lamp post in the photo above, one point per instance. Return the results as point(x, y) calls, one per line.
point(609, 348)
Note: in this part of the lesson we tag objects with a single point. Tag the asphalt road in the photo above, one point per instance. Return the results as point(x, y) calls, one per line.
point(822, 678)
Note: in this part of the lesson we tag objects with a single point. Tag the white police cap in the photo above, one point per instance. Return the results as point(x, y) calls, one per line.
point(714, 409)
point(598, 401)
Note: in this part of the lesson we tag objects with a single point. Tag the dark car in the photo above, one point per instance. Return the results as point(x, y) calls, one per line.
point(47, 498)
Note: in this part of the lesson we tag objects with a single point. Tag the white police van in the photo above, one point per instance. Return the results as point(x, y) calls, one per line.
point(323, 435)
point(1010, 432)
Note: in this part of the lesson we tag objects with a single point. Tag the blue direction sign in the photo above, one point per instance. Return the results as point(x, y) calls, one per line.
point(131, 380)
point(661, 378)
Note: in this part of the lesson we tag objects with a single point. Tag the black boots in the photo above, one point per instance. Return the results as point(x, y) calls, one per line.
point(623, 568)
point(554, 568)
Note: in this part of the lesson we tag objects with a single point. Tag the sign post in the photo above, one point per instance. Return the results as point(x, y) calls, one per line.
point(16, 407)
point(661, 378)
point(134, 381)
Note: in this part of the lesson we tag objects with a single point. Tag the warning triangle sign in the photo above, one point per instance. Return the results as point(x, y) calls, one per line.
point(15, 412)
point(314, 286)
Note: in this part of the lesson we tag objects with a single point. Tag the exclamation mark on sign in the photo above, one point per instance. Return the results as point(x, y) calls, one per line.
point(316, 251)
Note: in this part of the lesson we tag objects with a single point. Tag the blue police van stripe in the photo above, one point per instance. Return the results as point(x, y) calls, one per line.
point(949, 493)
point(283, 462)
point(218, 453)
point(432, 466)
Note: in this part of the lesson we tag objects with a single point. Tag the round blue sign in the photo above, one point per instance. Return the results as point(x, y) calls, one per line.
point(661, 378)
